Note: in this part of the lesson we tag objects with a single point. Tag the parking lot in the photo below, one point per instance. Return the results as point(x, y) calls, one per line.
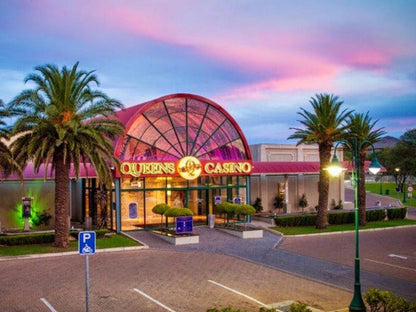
point(154, 280)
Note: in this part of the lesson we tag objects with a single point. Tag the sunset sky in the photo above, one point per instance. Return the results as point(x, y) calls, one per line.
point(261, 60)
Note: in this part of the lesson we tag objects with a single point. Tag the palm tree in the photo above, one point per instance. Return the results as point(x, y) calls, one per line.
point(323, 126)
point(361, 128)
point(63, 122)
point(7, 163)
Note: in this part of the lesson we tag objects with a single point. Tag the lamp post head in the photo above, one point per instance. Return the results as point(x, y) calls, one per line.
point(335, 167)
point(374, 166)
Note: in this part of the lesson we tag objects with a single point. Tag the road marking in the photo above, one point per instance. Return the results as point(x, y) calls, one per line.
point(397, 256)
point(48, 304)
point(240, 293)
point(392, 265)
point(154, 300)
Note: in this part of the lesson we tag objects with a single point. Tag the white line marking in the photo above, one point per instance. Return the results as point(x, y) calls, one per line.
point(154, 300)
point(241, 294)
point(397, 256)
point(48, 304)
point(392, 265)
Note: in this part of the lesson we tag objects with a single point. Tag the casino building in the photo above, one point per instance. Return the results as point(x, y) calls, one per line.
point(183, 150)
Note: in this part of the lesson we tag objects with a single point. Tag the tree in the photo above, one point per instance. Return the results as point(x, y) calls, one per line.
point(7, 163)
point(399, 160)
point(63, 122)
point(325, 125)
point(361, 128)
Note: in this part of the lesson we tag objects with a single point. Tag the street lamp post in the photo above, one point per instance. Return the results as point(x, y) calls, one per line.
point(357, 302)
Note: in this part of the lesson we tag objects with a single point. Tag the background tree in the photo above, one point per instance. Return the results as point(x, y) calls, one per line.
point(400, 160)
point(324, 125)
point(361, 128)
point(61, 122)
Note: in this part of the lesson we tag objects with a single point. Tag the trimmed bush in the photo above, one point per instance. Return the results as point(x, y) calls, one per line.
point(160, 208)
point(341, 217)
point(300, 220)
point(27, 239)
point(244, 209)
point(396, 213)
point(375, 215)
point(178, 212)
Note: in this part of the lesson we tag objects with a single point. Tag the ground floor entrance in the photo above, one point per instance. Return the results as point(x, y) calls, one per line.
point(129, 205)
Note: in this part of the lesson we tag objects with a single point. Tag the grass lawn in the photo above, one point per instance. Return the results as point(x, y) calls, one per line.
point(112, 241)
point(298, 230)
point(391, 188)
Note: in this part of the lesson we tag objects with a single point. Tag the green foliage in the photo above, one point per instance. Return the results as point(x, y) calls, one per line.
point(41, 218)
point(160, 208)
point(244, 209)
point(27, 239)
point(225, 207)
point(341, 217)
point(178, 212)
point(396, 213)
point(279, 201)
point(375, 215)
point(300, 220)
point(98, 233)
point(258, 205)
point(345, 217)
point(335, 206)
point(303, 202)
point(386, 301)
point(299, 307)
point(227, 309)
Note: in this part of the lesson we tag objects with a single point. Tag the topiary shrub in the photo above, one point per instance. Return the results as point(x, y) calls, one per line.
point(226, 209)
point(160, 209)
point(178, 212)
point(302, 220)
point(27, 239)
point(341, 217)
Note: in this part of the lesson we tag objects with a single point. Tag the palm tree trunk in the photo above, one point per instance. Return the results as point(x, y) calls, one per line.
point(324, 156)
point(61, 200)
point(361, 190)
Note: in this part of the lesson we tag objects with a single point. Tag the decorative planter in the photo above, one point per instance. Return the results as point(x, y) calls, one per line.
point(177, 239)
point(248, 233)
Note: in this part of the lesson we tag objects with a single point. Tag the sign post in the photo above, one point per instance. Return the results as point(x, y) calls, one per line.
point(86, 247)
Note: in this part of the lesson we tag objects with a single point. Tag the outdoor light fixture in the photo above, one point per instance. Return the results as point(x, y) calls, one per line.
point(357, 303)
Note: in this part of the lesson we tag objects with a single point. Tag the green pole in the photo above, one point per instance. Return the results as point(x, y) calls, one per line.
point(404, 193)
point(357, 303)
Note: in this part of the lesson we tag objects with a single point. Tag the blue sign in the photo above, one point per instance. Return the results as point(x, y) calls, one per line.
point(86, 243)
point(184, 225)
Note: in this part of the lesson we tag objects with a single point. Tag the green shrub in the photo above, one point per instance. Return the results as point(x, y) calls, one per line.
point(244, 209)
point(375, 215)
point(227, 309)
point(386, 301)
point(300, 220)
point(396, 213)
point(341, 217)
point(258, 205)
point(98, 233)
point(160, 208)
point(299, 307)
point(178, 212)
point(27, 239)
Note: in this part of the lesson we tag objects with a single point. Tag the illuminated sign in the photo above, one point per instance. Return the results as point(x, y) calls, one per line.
point(187, 167)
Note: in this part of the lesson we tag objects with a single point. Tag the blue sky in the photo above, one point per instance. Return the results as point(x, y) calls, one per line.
point(261, 60)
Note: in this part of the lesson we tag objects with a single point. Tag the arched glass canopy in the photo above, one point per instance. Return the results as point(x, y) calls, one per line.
point(179, 125)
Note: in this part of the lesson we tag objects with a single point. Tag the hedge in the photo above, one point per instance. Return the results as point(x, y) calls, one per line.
point(346, 217)
point(11, 240)
point(396, 213)
point(41, 238)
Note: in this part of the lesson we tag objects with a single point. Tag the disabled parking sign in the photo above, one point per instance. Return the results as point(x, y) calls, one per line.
point(86, 243)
